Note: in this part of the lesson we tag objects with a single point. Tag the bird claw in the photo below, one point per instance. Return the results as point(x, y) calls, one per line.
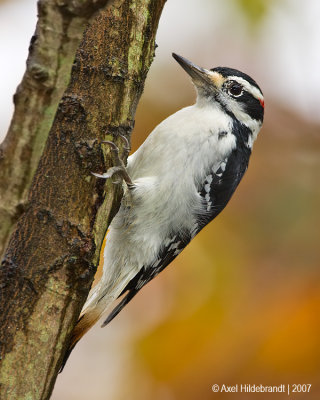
point(119, 167)
point(100, 175)
point(115, 148)
point(109, 174)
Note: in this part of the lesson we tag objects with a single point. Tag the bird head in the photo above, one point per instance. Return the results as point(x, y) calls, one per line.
point(233, 91)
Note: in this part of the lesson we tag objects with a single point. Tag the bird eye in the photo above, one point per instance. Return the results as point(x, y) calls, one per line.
point(235, 89)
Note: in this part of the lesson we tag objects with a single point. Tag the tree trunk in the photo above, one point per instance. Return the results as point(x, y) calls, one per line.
point(53, 252)
point(53, 46)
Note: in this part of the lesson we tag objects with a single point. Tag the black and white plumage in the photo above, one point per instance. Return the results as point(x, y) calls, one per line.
point(183, 176)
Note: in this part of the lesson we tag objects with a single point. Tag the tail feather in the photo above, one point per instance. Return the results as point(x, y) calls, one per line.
point(100, 298)
point(85, 322)
point(119, 307)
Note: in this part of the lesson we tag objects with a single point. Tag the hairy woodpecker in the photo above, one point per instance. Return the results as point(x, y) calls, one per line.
point(180, 179)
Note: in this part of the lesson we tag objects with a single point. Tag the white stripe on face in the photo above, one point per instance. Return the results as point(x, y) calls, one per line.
point(253, 90)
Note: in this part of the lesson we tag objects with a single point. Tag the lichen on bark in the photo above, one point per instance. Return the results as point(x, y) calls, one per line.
point(53, 253)
point(51, 53)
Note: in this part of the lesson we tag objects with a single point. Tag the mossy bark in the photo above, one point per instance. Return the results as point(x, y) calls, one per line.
point(52, 49)
point(53, 253)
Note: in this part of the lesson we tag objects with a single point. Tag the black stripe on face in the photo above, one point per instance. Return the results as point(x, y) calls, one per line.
point(225, 72)
point(251, 106)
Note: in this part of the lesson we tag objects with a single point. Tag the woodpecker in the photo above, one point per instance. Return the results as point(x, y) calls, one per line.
point(179, 179)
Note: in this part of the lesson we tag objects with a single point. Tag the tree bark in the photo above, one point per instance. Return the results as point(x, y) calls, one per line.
point(53, 252)
point(52, 49)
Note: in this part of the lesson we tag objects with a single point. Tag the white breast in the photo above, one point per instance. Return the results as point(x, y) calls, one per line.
point(166, 169)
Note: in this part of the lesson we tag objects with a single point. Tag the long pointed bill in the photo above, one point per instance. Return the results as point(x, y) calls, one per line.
point(200, 76)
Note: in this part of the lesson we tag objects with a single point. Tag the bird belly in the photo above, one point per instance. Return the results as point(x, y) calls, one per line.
point(165, 200)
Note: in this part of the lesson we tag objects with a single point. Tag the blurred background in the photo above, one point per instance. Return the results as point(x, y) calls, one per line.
point(242, 303)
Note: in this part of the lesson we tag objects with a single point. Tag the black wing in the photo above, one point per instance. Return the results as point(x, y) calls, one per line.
point(220, 184)
point(216, 192)
point(172, 247)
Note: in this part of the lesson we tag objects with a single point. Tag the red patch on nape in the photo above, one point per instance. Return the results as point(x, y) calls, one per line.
point(261, 102)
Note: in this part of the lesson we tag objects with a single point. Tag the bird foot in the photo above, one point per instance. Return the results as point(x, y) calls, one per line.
point(119, 167)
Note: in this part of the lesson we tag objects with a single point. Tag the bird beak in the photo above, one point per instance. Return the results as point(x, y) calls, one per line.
point(200, 76)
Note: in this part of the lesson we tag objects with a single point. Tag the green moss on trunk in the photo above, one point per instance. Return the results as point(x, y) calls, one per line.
point(53, 252)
